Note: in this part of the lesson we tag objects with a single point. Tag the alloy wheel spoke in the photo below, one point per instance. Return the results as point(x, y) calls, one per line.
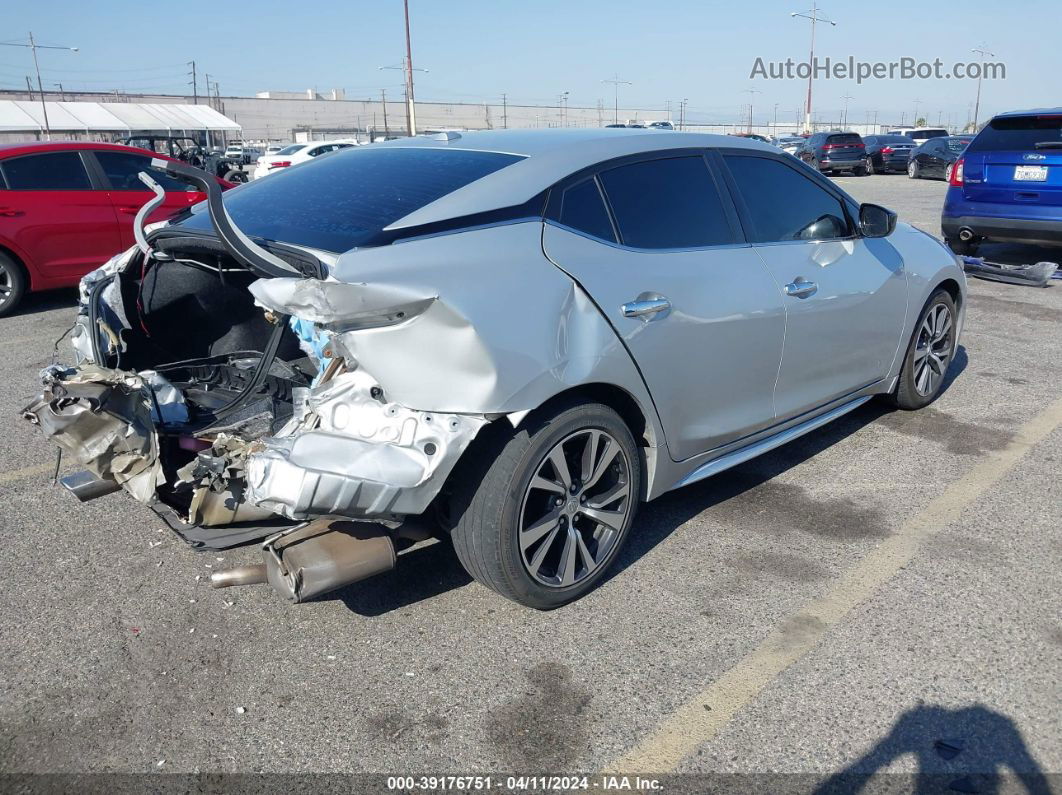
point(923, 380)
point(566, 567)
point(920, 354)
point(602, 466)
point(590, 455)
point(540, 554)
point(588, 560)
point(531, 534)
point(608, 497)
point(612, 519)
point(545, 484)
point(560, 466)
point(944, 327)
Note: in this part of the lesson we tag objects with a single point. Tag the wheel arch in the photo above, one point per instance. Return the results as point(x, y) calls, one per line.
point(20, 261)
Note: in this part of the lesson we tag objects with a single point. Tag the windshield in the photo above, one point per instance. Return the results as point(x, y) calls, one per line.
point(1018, 132)
point(290, 150)
point(343, 201)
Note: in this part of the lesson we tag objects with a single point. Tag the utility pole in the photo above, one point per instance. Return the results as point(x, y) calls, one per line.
point(812, 15)
point(562, 101)
point(409, 76)
point(914, 119)
point(62, 94)
point(505, 112)
point(844, 121)
point(752, 92)
point(34, 46)
point(383, 102)
point(616, 83)
point(775, 125)
point(194, 84)
point(29, 87)
point(682, 113)
point(982, 51)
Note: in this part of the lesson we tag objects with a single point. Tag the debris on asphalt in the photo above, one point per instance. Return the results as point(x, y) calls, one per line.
point(240, 710)
point(1033, 275)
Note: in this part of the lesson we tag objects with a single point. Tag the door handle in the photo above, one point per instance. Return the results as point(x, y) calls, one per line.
point(645, 307)
point(799, 288)
point(129, 210)
point(7, 212)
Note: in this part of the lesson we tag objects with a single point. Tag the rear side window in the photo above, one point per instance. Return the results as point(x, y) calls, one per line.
point(582, 208)
point(669, 203)
point(1020, 133)
point(957, 144)
point(52, 171)
point(784, 204)
point(340, 202)
point(122, 171)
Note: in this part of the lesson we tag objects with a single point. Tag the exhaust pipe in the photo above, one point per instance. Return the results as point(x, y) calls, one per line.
point(86, 486)
point(316, 558)
point(966, 234)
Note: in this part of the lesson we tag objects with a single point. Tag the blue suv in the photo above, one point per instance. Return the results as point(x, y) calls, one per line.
point(1007, 186)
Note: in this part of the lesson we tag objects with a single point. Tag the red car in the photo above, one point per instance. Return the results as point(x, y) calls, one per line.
point(67, 207)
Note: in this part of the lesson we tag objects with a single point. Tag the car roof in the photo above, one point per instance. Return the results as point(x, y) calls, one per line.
point(1030, 112)
point(549, 156)
point(36, 147)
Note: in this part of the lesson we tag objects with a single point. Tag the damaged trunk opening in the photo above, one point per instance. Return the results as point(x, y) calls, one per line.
point(234, 422)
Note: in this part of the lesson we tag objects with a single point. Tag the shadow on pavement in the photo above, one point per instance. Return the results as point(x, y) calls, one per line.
point(956, 750)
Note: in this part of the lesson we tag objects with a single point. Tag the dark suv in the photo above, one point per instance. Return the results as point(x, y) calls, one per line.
point(835, 151)
point(887, 153)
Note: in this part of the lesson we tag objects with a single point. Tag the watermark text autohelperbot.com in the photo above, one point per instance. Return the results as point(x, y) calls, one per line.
point(849, 68)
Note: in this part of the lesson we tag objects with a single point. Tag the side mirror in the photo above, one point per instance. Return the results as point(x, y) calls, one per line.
point(876, 221)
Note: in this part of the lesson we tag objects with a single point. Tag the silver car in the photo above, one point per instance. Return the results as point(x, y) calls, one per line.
point(510, 339)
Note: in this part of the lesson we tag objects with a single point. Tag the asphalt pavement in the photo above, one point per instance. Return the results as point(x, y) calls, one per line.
point(879, 596)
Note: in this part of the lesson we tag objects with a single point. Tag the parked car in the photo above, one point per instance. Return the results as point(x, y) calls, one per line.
point(934, 158)
point(1007, 186)
point(66, 207)
point(789, 143)
point(406, 299)
point(835, 151)
point(660, 125)
point(243, 154)
point(272, 149)
point(751, 136)
point(887, 153)
point(920, 134)
point(295, 154)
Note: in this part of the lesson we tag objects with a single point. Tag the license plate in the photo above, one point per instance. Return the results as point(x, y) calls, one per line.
point(1030, 173)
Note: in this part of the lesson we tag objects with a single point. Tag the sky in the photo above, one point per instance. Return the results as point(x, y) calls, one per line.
point(476, 50)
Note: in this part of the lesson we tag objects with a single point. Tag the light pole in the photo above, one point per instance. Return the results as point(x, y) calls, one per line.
point(752, 92)
point(813, 15)
point(616, 83)
point(682, 113)
point(562, 102)
point(982, 51)
point(40, 86)
point(914, 119)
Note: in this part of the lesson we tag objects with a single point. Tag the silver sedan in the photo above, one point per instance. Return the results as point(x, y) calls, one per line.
point(510, 339)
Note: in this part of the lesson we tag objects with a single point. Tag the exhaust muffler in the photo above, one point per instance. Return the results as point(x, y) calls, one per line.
point(316, 558)
point(86, 486)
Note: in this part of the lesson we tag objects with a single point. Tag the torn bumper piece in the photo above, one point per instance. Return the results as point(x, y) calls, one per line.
point(1034, 275)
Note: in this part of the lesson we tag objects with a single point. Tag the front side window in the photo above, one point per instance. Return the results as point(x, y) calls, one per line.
point(785, 205)
point(342, 202)
point(582, 208)
point(668, 203)
point(122, 171)
point(52, 171)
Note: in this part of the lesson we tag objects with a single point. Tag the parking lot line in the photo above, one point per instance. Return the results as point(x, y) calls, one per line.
point(700, 718)
point(18, 474)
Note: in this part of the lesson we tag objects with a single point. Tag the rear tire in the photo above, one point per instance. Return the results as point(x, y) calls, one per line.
point(236, 177)
point(929, 354)
point(12, 284)
point(914, 171)
point(510, 534)
point(871, 170)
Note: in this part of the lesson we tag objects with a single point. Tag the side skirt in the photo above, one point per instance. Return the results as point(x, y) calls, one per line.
point(744, 454)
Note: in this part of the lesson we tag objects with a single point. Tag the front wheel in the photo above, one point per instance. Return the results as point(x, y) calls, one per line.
point(548, 515)
point(929, 354)
point(236, 177)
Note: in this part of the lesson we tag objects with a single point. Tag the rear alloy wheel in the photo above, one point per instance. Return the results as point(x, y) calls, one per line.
point(546, 519)
point(929, 354)
point(870, 167)
point(12, 284)
point(913, 170)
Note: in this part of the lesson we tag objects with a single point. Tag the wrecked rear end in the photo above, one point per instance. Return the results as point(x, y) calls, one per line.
point(245, 389)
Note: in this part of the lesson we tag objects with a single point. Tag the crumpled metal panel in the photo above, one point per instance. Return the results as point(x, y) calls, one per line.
point(103, 419)
point(357, 455)
point(477, 322)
